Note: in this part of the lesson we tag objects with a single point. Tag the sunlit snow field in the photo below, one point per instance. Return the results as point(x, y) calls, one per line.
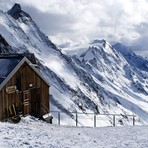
point(30, 133)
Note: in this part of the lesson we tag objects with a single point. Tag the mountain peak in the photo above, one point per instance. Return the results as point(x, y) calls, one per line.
point(98, 41)
point(100, 79)
point(102, 43)
point(15, 11)
point(16, 7)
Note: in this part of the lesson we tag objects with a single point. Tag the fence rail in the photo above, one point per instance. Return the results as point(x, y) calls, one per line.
point(80, 119)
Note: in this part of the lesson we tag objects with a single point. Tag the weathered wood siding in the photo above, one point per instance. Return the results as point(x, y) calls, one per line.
point(26, 76)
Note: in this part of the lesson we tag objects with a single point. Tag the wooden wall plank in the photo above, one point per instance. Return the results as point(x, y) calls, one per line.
point(28, 76)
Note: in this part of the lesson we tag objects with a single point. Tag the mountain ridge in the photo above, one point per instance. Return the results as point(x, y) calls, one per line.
point(101, 78)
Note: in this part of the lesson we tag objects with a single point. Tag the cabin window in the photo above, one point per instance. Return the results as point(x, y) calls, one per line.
point(18, 83)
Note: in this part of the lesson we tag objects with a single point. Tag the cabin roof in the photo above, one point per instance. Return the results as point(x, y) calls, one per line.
point(9, 64)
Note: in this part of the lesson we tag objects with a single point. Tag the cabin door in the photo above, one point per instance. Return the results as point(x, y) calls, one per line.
point(35, 102)
point(26, 98)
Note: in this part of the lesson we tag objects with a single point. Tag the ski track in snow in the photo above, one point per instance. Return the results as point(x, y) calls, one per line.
point(30, 133)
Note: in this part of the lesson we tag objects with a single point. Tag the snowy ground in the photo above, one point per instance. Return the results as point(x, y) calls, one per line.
point(30, 133)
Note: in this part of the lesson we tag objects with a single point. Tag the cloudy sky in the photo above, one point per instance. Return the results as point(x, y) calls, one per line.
point(71, 22)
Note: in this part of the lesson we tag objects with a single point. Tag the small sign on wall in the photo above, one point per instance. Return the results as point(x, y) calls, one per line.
point(11, 89)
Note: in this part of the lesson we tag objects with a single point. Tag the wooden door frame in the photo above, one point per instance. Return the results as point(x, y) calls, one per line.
point(35, 101)
point(26, 102)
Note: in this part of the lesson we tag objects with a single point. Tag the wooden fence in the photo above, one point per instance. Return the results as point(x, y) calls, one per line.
point(96, 119)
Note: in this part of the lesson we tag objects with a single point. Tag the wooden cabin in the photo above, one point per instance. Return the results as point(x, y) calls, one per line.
point(23, 90)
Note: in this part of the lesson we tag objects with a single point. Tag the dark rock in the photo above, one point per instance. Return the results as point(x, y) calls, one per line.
point(4, 46)
point(16, 12)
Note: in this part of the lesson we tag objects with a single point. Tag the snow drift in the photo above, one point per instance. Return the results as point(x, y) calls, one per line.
point(30, 133)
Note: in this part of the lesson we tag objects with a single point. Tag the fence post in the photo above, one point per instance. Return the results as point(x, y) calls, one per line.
point(94, 120)
point(114, 120)
point(133, 120)
point(76, 118)
point(59, 118)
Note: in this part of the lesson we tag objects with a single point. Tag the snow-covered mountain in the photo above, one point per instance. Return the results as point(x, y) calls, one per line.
point(102, 79)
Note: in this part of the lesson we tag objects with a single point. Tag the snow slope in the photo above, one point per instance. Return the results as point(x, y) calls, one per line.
point(121, 77)
point(30, 133)
point(101, 78)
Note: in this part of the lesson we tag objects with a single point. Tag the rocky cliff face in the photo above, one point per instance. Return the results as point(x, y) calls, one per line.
point(4, 46)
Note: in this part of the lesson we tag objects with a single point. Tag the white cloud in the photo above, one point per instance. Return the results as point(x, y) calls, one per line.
point(78, 21)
